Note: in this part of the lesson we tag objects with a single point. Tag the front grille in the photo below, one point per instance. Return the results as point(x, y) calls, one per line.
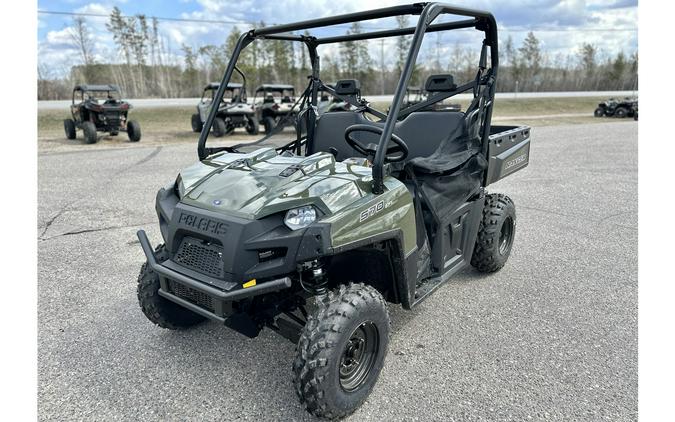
point(191, 295)
point(112, 118)
point(201, 256)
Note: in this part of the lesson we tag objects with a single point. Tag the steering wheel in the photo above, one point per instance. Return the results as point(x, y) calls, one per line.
point(370, 149)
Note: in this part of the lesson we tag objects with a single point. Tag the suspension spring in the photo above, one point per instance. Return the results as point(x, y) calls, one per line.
point(315, 280)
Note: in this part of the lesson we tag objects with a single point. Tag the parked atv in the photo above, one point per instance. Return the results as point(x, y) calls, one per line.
point(317, 237)
point(274, 105)
point(614, 108)
point(233, 111)
point(415, 95)
point(98, 108)
point(328, 102)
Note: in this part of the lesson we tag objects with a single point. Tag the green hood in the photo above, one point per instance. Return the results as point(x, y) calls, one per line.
point(261, 183)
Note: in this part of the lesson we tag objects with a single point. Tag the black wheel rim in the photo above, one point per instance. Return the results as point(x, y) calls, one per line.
point(506, 236)
point(358, 356)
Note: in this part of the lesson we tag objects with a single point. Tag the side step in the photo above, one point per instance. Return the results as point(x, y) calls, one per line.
point(431, 284)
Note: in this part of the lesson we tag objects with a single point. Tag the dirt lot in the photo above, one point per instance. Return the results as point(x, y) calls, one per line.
point(171, 125)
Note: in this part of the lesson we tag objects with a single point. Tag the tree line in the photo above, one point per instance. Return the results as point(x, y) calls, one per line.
point(147, 67)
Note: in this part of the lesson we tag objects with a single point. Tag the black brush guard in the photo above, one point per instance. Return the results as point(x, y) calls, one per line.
point(220, 300)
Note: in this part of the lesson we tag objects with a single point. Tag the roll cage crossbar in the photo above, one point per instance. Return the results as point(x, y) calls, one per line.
point(427, 12)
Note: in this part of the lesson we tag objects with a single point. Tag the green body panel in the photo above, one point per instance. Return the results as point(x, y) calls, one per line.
point(397, 213)
point(252, 186)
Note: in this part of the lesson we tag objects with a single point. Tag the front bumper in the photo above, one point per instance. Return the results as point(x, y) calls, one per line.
point(220, 301)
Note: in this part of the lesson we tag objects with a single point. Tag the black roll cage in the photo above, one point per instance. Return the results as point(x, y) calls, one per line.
point(241, 89)
point(277, 88)
point(427, 12)
point(84, 90)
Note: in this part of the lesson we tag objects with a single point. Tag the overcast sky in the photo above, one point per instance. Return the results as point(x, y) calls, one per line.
point(562, 26)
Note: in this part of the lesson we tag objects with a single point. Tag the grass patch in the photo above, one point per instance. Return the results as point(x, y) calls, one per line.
point(157, 119)
point(173, 123)
point(508, 107)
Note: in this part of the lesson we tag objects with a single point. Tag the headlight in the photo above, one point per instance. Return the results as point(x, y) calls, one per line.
point(178, 187)
point(299, 218)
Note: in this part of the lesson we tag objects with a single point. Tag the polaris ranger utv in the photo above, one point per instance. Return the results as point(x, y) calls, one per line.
point(233, 112)
point(98, 108)
point(275, 105)
point(313, 237)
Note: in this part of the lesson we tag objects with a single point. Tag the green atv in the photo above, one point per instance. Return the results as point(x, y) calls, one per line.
point(315, 237)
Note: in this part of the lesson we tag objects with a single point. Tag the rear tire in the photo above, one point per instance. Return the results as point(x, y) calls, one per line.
point(90, 135)
point(341, 350)
point(133, 131)
point(599, 112)
point(252, 127)
point(196, 122)
point(269, 123)
point(621, 112)
point(219, 127)
point(495, 235)
point(157, 309)
point(69, 127)
point(229, 128)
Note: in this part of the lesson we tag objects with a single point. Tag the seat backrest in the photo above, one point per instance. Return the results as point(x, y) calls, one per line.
point(330, 132)
point(422, 131)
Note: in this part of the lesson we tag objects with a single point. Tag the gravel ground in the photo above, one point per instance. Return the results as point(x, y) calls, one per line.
point(552, 336)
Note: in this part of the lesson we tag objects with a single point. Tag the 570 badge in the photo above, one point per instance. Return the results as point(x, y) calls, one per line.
point(371, 211)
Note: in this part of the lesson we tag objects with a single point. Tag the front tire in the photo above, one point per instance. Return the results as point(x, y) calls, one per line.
point(599, 112)
point(89, 130)
point(252, 127)
point(229, 128)
point(69, 127)
point(196, 122)
point(495, 235)
point(219, 127)
point(134, 131)
point(157, 309)
point(341, 351)
point(269, 123)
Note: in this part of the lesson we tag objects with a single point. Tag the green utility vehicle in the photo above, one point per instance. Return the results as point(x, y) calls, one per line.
point(317, 236)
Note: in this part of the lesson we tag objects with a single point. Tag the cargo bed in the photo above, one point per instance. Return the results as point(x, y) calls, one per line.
point(508, 151)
